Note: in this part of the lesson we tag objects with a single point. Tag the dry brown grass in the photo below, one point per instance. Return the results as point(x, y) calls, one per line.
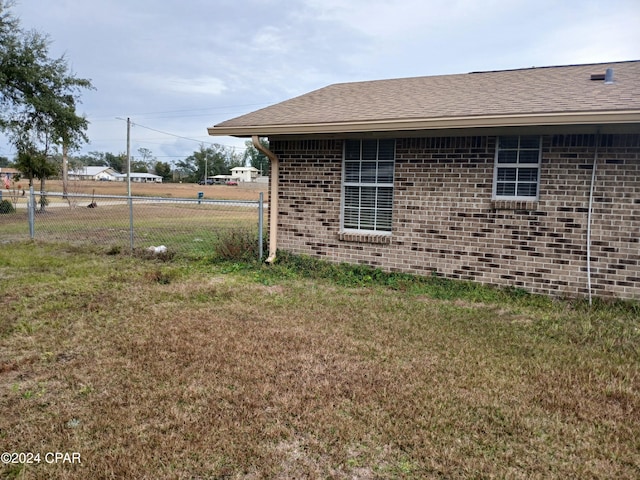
point(243, 191)
point(154, 370)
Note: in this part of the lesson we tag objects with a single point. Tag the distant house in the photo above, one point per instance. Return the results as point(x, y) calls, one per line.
point(140, 177)
point(93, 173)
point(527, 178)
point(9, 173)
point(245, 174)
point(220, 178)
point(109, 174)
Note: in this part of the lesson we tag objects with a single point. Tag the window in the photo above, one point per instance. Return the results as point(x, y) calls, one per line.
point(367, 186)
point(517, 169)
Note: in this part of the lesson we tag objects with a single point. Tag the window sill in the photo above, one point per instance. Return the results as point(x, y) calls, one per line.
point(364, 238)
point(514, 204)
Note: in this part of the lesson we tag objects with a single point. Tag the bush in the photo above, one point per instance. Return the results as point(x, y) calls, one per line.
point(237, 244)
point(6, 207)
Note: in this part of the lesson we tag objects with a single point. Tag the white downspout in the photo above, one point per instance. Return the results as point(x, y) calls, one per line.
point(593, 181)
point(273, 198)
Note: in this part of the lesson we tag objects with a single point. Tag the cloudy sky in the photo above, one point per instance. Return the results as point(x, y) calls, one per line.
point(176, 67)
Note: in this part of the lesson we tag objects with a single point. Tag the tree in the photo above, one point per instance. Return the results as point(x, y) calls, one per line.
point(38, 95)
point(36, 165)
point(147, 157)
point(96, 159)
point(117, 162)
point(139, 166)
point(234, 159)
point(255, 157)
point(206, 162)
point(164, 170)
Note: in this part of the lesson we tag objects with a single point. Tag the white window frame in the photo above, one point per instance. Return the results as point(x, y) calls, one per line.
point(518, 166)
point(376, 184)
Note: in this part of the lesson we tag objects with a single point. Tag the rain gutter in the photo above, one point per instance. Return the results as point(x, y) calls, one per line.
point(273, 198)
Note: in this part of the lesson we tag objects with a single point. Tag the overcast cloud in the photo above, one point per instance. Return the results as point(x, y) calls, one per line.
point(180, 66)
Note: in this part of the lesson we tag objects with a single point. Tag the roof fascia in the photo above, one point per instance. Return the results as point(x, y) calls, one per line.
point(487, 121)
point(629, 128)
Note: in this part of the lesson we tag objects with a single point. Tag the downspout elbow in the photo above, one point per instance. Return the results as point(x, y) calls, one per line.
point(273, 198)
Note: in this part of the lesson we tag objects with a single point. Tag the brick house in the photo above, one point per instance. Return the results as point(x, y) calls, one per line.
point(527, 178)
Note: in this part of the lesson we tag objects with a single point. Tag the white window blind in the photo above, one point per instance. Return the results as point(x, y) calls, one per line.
point(367, 191)
point(517, 168)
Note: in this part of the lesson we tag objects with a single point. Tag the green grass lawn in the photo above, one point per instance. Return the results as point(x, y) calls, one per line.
point(156, 369)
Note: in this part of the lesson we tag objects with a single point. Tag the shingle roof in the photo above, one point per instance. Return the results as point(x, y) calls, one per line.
point(545, 95)
point(91, 171)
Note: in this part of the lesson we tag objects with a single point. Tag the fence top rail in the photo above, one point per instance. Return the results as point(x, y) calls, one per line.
point(152, 199)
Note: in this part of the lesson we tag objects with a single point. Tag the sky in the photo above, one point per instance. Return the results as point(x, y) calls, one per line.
point(176, 67)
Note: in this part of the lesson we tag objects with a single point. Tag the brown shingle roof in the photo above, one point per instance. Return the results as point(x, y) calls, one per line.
point(547, 95)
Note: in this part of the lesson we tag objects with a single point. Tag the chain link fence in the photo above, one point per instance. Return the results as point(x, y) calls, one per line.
point(193, 228)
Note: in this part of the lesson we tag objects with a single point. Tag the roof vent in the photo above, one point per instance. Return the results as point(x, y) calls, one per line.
point(608, 76)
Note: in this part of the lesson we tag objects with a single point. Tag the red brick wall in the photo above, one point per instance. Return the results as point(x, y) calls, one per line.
point(446, 222)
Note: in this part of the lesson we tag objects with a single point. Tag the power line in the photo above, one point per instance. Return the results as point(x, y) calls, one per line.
point(170, 134)
point(186, 138)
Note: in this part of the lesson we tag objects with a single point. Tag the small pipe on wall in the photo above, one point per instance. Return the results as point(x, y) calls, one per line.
point(590, 210)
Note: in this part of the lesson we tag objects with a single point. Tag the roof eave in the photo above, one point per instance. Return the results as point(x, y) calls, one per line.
point(486, 121)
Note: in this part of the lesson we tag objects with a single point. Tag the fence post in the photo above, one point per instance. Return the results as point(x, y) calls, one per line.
point(260, 225)
point(31, 207)
point(131, 222)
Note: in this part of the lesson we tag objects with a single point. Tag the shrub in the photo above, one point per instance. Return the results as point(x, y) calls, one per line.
point(237, 244)
point(6, 207)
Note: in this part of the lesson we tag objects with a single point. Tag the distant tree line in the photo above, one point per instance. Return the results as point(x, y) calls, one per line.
point(207, 161)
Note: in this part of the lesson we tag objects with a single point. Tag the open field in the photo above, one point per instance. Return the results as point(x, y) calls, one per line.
point(244, 191)
point(184, 370)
